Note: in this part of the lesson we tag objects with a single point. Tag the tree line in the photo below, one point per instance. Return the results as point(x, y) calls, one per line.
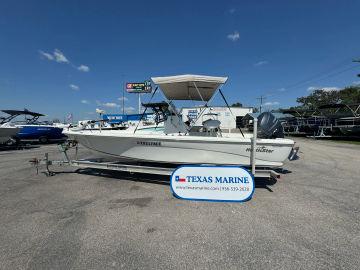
point(348, 95)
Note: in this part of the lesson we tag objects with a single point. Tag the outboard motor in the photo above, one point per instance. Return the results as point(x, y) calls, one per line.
point(269, 126)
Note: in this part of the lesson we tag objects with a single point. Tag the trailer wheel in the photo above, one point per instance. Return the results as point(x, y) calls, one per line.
point(13, 141)
point(43, 139)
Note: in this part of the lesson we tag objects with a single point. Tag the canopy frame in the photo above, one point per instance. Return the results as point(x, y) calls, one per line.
point(205, 92)
point(15, 113)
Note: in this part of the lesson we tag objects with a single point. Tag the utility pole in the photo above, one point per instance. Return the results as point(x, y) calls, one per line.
point(357, 61)
point(139, 103)
point(123, 99)
point(123, 94)
point(261, 98)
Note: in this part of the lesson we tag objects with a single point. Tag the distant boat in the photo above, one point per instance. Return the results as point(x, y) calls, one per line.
point(345, 119)
point(125, 122)
point(8, 133)
point(31, 129)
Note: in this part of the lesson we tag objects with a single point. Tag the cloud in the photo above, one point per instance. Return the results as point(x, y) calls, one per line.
point(312, 88)
point(48, 56)
point(271, 103)
point(281, 89)
point(114, 105)
point(234, 36)
point(60, 57)
point(356, 83)
point(84, 101)
point(107, 104)
point(110, 105)
point(83, 68)
point(129, 109)
point(232, 10)
point(74, 87)
point(123, 98)
point(329, 89)
point(56, 56)
point(326, 89)
point(261, 63)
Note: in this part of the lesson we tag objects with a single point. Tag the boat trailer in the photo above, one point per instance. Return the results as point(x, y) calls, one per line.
point(116, 166)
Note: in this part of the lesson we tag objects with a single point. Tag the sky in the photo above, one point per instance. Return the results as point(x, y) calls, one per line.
point(61, 57)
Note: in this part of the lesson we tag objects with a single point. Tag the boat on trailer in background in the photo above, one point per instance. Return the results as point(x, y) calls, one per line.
point(343, 120)
point(326, 121)
point(117, 122)
point(183, 142)
point(32, 130)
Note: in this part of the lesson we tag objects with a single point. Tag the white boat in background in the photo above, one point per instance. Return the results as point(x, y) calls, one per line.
point(8, 133)
point(127, 126)
point(184, 143)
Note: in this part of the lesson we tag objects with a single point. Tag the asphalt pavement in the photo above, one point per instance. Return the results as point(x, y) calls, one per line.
point(91, 219)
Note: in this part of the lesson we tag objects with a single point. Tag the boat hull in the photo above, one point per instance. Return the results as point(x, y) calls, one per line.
point(351, 130)
point(40, 132)
point(185, 149)
point(6, 133)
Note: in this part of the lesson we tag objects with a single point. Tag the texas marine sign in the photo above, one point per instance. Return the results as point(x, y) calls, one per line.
point(212, 183)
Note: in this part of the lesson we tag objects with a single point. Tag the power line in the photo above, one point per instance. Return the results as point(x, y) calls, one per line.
point(327, 76)
point(357, 61)
point(319, 76)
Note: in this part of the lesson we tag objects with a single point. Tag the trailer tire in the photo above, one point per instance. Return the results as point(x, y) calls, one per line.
point(43, 139)
point(13, 141)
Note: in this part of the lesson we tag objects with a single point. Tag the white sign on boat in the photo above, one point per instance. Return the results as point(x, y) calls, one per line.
point(212, 183)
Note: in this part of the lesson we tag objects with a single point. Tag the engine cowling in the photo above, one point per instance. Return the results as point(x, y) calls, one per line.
point(269, 126)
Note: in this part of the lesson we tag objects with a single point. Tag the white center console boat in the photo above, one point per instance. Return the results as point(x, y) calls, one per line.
point(184, 143)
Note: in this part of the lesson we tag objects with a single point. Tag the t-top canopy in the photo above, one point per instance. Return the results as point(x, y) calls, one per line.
point(189, 87)
point(24, 112)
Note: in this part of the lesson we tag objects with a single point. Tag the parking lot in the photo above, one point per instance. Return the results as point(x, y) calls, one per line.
point(89, 219)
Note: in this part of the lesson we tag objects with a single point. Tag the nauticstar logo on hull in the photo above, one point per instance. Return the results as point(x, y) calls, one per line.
point(149, 143)
point(261, 149)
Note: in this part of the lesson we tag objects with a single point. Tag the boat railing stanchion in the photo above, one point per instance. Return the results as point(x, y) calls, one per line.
point(253, 147)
